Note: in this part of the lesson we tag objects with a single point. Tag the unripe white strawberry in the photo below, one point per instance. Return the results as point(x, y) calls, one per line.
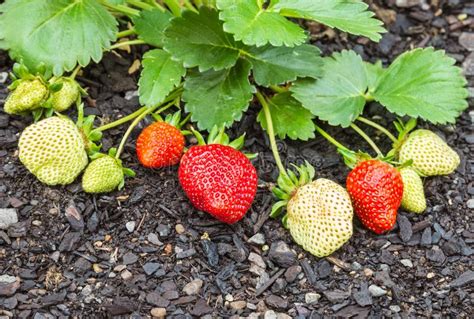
point(66, 96)
point(27, 96)
point(431, 155)
point(102, 175)
point(413, 199)
point(53, 150)
point(319, 217)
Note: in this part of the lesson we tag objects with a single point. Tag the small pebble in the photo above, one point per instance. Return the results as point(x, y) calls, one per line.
point(470, 203)
point(158, 312)
point(311, 298)
point(130, 226)
point(258, 239)
point(406, 263)
point(179, 228)
point(376, 291)
point(193, 288)
point(126, 275)
point(395, 308)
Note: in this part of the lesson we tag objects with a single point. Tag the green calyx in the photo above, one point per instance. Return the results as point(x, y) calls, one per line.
point(288, 183)
point(217, 135)
point(90, 135)
point(403, 130)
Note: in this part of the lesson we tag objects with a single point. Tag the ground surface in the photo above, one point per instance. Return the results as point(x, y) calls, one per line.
point(73, 255)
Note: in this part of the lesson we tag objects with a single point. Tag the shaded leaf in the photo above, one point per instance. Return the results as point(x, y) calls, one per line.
point(218, 97)
point(276, 65)
point(338, 96)
point(289, 118)
point(159, 76)
point(151, 24)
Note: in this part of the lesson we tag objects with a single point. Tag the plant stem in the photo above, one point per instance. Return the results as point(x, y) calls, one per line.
point(124, 43)
point(278, 89)
point(122, 120)
point(367, 139)
point(122, 9)
point(139, 4)
point(378, 127)
point(271, 133)
point(174, 6)
point(135, 123)
point(125, 33)
point(331, 140)
point(74, 73)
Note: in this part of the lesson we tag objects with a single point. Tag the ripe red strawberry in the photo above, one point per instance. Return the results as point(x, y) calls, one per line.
point(160, 144)
point(219, 180)
point(376, 190)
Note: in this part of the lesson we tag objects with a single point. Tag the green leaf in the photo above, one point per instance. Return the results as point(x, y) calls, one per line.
point(338, 96)
point(374, 72)
point(199, 40)
point(347, 15)
point(218, 97)
point(289, 118)
point(423, 83)
point(159, 76)
point(60, 33)
point(253, 25)
point(151, 24)
point(276, 65)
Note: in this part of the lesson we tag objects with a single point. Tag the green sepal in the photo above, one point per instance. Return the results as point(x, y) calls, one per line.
point(404, 130)
point(129, 172)
point(280, 194)
point(121, 185)
point(37, 114)
point(14, 84)
point(48, 112)
point(278, 208)
point(112, 152)
point(251, 156)
point(95, 135)
point(56, 86)
point(284, 221)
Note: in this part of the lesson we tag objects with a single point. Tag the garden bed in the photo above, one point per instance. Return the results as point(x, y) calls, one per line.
point(134, 251)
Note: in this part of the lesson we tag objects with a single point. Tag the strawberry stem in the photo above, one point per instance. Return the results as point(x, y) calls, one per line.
point(174, 6)
point(378, 127)
point(122, 9)
point(125, 33)
point(122, 120)
point(278, 89)
point(271, 133)
point(125, 43)
point(74, 73)
point(330, 139)
point(367, 139)
point(140, 4)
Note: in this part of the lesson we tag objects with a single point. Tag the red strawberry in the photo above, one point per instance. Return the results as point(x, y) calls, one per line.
point(160, 144)
point(376, 190)
point(219, 180)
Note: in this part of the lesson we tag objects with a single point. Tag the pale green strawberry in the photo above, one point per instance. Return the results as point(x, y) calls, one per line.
point(53, 150)
point(66, 96)
point(413, 199)
point(319, 217)
point(103, 175)
point(430, 154)
point(27, 96)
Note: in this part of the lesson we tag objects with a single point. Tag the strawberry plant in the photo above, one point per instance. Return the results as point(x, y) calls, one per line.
point(212, 60)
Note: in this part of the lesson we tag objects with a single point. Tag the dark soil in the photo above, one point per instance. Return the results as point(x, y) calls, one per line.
point(73, 256)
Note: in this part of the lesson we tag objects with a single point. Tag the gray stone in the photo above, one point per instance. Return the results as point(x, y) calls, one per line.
point(257, 260)
point(363, 297)
point(238, 305)
point(3, 77)
point(150, 268)
point(69, 241)
point(311, 298)
point(8, 285)
point(186, 253)
point(377, 291)
point(276, 302)
point(465, 278)
point(8, 216)
point(129, 258)
point(466, 39)
point(156, 300)
point(470, 203)
point(292, 272)
point(436, 255)
point(468, 65)
point(406, 230)
point(426, 237)
point(193, 288)
point(74, 218)
point(406, 263)
point(258, 239)
point(408, 3)
point(153, 238)
point(130, 226)
point(395, 308)
point(336, 296)
point(281, 254)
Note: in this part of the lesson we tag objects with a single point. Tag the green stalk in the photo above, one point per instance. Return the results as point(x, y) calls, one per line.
point(378, 127)
point(174, 6)
point(122, 9)
point(125, 33)
point(367, 139)
point(122, 120)
point(74, 73)
point(271, 133)
point(139, 4)
point(135, 123)
point(124, 43)
point(278, 89)
point(331, 139)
